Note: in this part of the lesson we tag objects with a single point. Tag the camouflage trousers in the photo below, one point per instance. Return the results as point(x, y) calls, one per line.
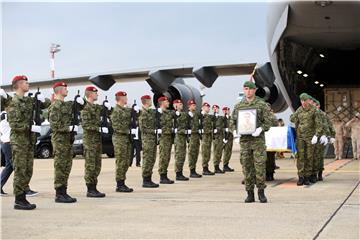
point(23, 161)
point(253, 157)
point(165, 152)
point(122, 150)
point(318, 158)
point(218, 148)
point(180, 152)
point(305, 159)
point(149, 154)
point(228, 149)
point(194, 147)
point(206, 149)
point(63, 156)
point(92, 152)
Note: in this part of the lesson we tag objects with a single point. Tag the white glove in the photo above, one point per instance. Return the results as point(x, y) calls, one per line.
point(257, 132)
point(216, 114)
point(36, 128)
point(41, 98)
point(326, 141)
point(136, 109)
point(236, 135)
point(177, 113)
point(191, 114)
point(323, 139)
point(80, 100)
point(202, 112)
point(134, 131)
point(226, 129)
point(188, 132)
point(158, 131)
point(159, 110)
point(314, 140)
point(332, 140)
point(225, 141)
point(175, 130)
point(107, 105)
point(215, 131)
point(3, 93)
point(104, 130)
point(201, 131)
point(76, 128)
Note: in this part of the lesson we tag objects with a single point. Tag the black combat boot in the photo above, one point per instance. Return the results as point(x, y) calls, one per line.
point(62, 196)
point(269, 176)
point(320, 177)
point(227, 168)
point(194, 174)
point(207, 172)
point(306, 181)
point(121, 187)
point(218, 170)
point(250, 197)
point(261, 195)
point(181, 177)
point(92, 192)
point(148, 183)
point(165, 180)
point(22, 204)
point(313, 178)
point(300, 181)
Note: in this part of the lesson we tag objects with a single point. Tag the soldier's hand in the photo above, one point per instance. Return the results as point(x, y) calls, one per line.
point(41, 98)
point(314, 140)
point(104, 130)
point(332, 140)
point(191, 114)
point(201, 131)
point(215, 131)
point(188, 132)
point(134, 131)
point(177, 113)
point(107, 105)
point(175, 130)
point(158, 131)
point(36, 128)
point(159, 110)
point(226, 129)
point(75, 127)
point(3, 93)
point(323, 140)
point(136, 109)
point(80, 100)
point(225, 141)
point(257, 132)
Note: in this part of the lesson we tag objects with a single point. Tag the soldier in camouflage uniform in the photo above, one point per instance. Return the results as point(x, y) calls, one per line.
point(308, 127)
point(194, 143)
point(60, 118)
point(180, 139)
point(218, 122)
point(22, 139)
point(91, 123)
point(206, 122)
point(121, 122)
point(166, 140)
point(252, 152)
point(228, 142)
point(147, 128)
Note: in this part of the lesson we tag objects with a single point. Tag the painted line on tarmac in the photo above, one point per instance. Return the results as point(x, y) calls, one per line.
point(336, 211)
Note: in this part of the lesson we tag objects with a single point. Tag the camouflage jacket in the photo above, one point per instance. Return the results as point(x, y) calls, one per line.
point(308, 122)
point(207, 123)
point(195, 122)
point(147, 121)
point(91, 117)
point(328, 126)
point(60, 118)
point(167, 122)
point(219, 124)
point(121, 120)
point(181, 122)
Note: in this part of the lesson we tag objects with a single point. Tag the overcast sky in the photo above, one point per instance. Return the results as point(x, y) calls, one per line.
point(100, 37)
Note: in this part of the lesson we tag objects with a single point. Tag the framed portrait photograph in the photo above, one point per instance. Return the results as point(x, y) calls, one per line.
point(246, 121)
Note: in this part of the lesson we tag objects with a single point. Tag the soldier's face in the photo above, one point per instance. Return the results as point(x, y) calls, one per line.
point(64, 91)
point(179, 106)
point(304, 103)
point(206, 109)
point(215, 109)
point(249, 92)
point(192, 107)
point(23, 85)
point(165, 104)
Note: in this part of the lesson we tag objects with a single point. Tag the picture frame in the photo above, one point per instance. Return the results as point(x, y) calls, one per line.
point(246, 121)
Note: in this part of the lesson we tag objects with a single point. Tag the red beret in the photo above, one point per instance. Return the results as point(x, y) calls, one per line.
point(161, 99)
point(177, 101)
point(215, 106)
point(206, 104)
point(191, 102)
point(120, 94)
point(225, 108)
point(18, 78)
point(91, 89)
point(59, 84)
point(146, 97)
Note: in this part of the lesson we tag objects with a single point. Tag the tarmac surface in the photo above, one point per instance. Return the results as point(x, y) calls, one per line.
point(211, 207)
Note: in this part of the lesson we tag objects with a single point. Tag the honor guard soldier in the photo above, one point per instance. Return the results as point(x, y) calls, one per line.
point(148, 131)
point(180, 139)
point(194, 144)
point(91, 123)
point(218, 125)
point(121, 120)
point(61, 115)
point(206, 123)
point(252, 152)
point(228, 140)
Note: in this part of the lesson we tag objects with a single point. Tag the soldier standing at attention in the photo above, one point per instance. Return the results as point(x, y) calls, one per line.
point(180, 140)
point(121, 122)
point(218, 138)
point(22, 139)
point(166, 140)
point(148, 131)
point(60, 118)
point(228, 140)
point(253, 150)
point(91, 123)
point(207, 136)
point(194, 143)
point(307, 121)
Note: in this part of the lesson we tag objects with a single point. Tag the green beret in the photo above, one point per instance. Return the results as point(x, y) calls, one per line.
point(250, 85)
point(317, 102)
point(304, 96)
